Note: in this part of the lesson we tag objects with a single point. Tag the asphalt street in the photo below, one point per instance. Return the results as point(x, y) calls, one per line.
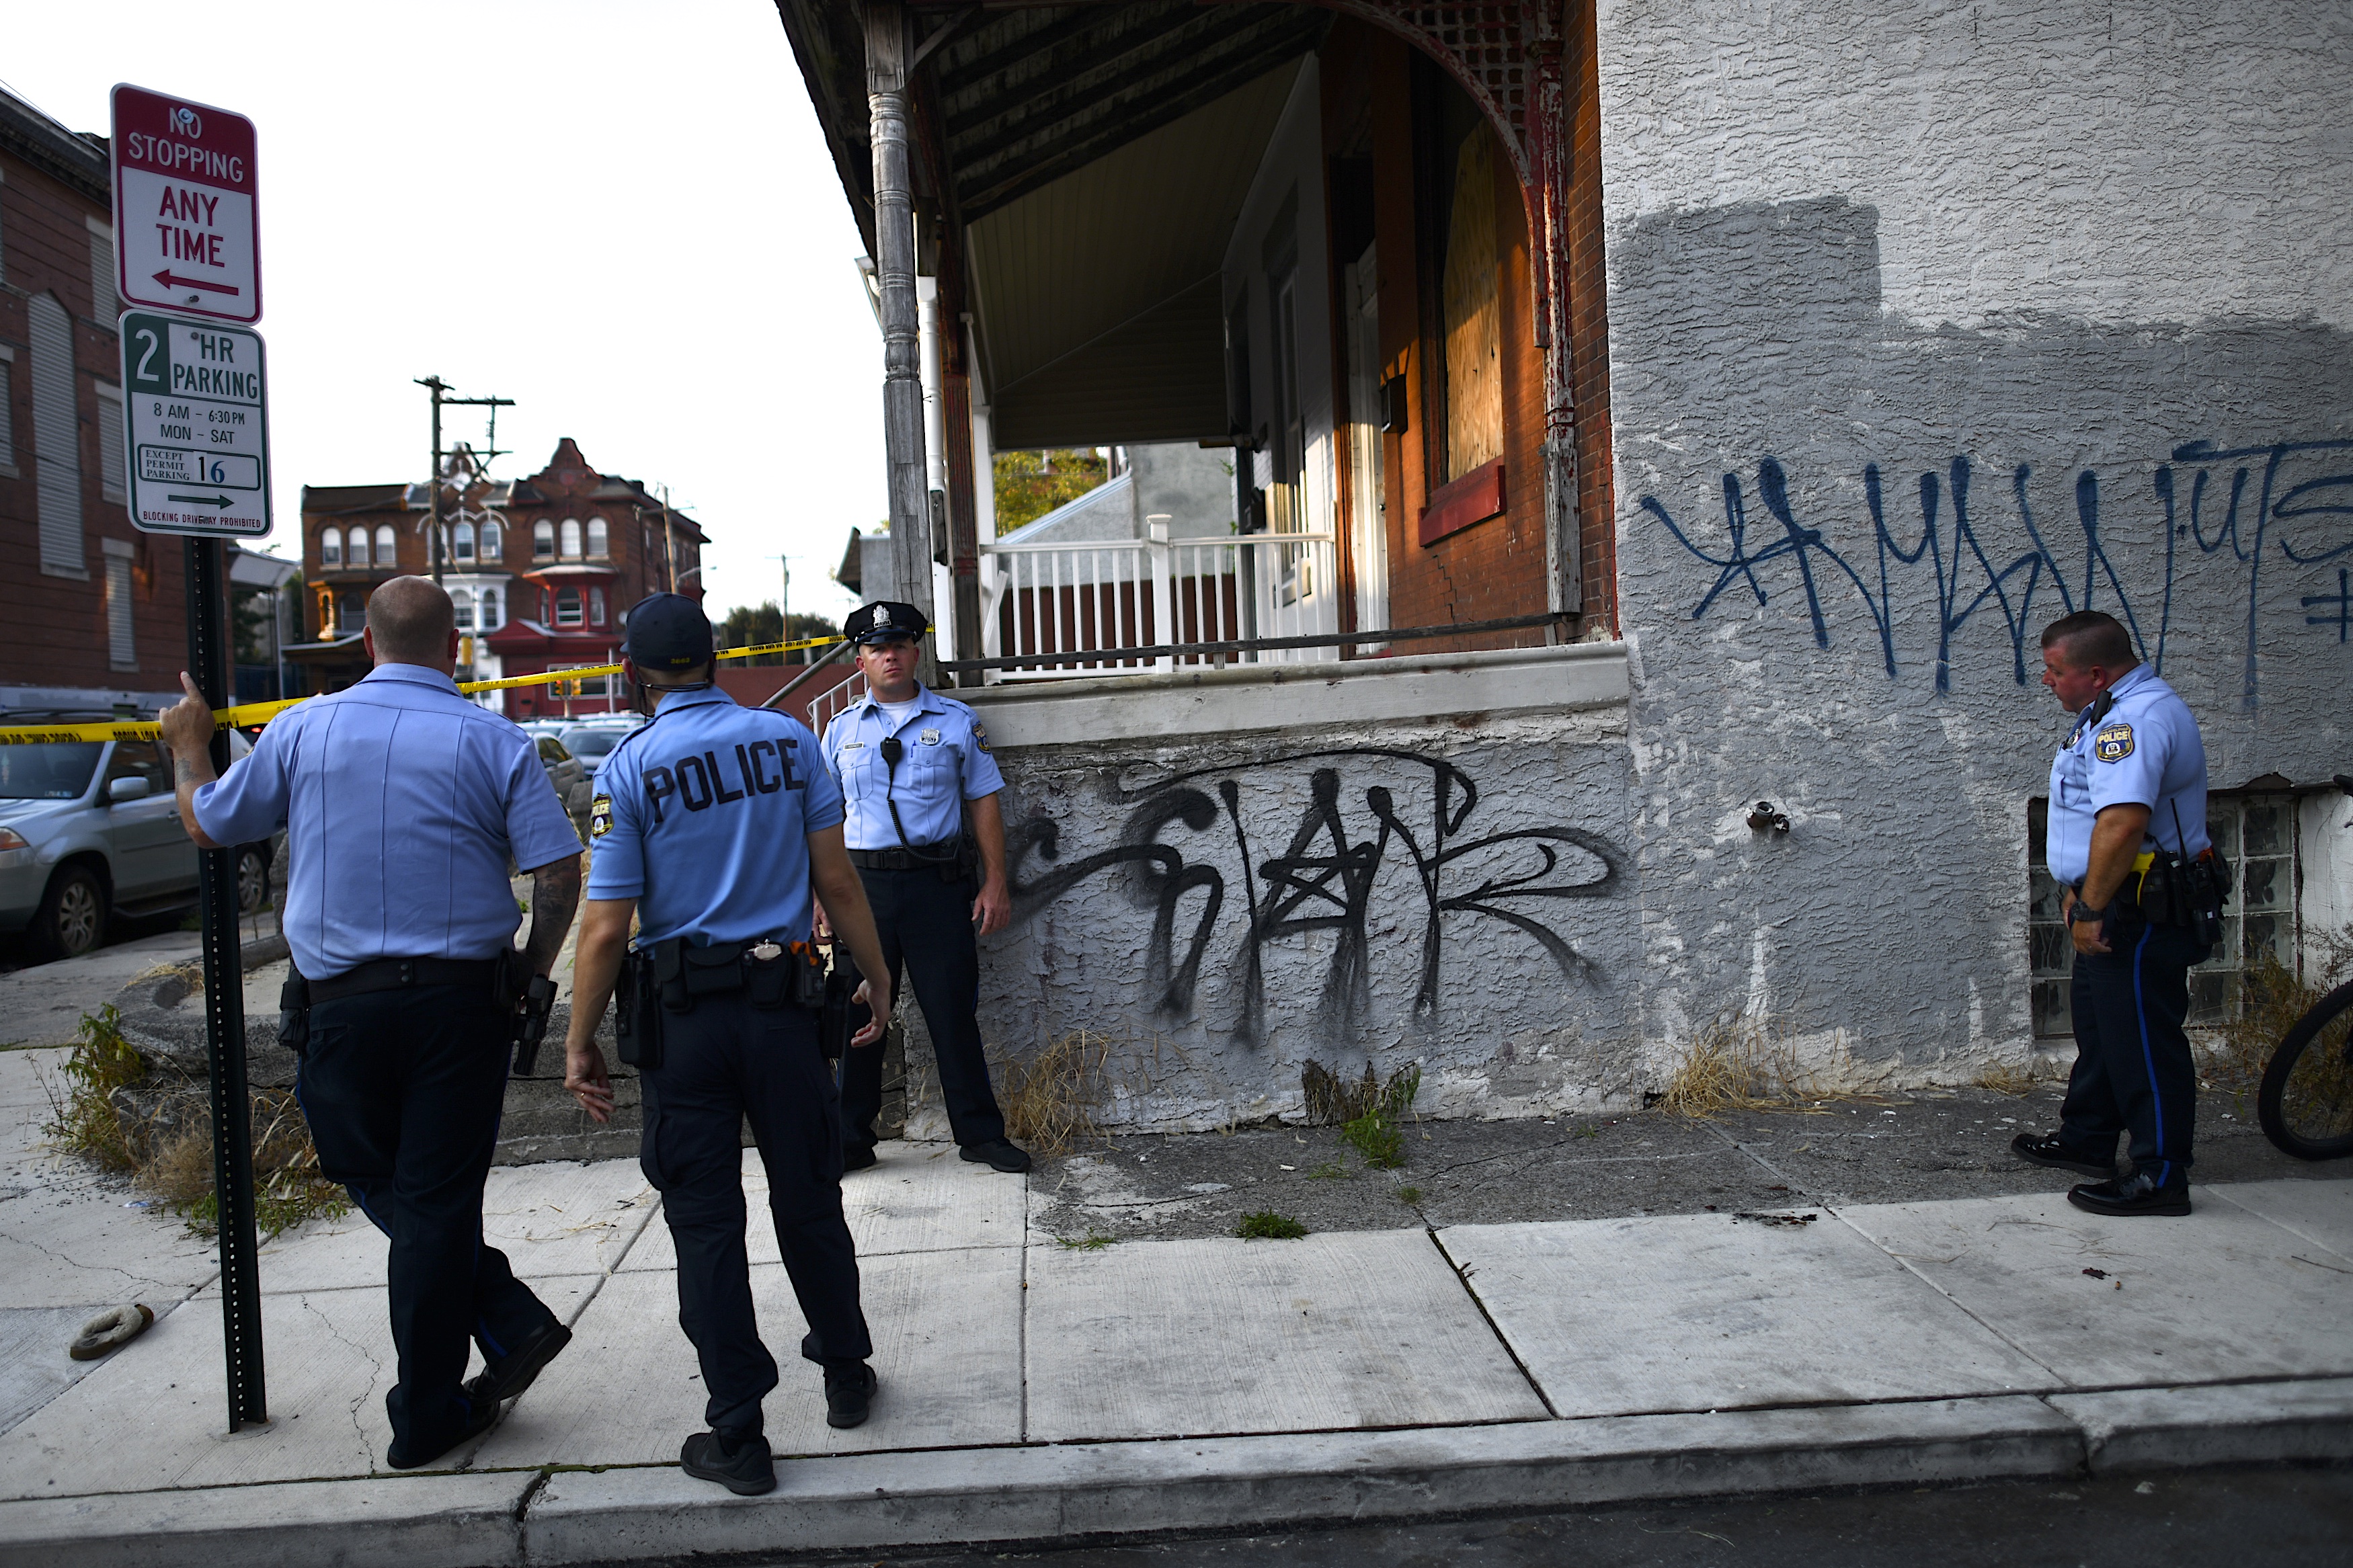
point(2282, 1518)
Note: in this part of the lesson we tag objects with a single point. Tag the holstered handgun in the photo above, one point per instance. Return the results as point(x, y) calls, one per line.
point(638, 1013)
point(531, 1023)
point(294, 1011)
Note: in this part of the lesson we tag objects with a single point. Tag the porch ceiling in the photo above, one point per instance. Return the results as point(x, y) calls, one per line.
point(1095, 157)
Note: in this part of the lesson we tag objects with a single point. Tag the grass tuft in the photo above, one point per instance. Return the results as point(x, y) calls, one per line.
point(1330, 1170)
point(1408, 1195)
point(2004, 1079)
point(1268, 1226)
point(84, 1117)
point(1743, 1062)
point(1378, 1132)
point(1093, 1241)
point(1051, 1100)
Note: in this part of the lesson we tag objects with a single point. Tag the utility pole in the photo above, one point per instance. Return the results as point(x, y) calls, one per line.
point(888, 65)
point(669, 551)
point(440, 390)
point(785, 607)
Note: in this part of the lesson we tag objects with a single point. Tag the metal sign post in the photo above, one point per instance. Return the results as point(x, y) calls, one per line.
point(232, 1103)
point(197, 436)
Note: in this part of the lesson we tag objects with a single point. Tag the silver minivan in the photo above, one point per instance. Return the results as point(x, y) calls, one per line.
point(89, 829)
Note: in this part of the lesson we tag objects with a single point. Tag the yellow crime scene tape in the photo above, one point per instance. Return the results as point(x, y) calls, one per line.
point(252, 713)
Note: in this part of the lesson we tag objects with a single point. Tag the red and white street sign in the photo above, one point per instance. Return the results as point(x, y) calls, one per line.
point(187, 236)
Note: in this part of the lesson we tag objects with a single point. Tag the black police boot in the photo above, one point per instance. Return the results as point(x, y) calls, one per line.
point(1001, 1154)
point(741, 1464)
point(2137, 1194)
point(2048, 1151)
point(848, 1391)
point(481, 1414)
point(857, 1156)
point(513, 1371)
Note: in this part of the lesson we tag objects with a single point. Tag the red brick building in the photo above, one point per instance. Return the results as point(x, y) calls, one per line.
point(541, 571)
point(91, 610)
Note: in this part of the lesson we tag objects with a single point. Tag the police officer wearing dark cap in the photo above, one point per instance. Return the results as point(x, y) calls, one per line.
point(710, 824)
point(912, 764)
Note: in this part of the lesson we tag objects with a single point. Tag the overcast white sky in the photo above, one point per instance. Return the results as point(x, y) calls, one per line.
point(621, 216)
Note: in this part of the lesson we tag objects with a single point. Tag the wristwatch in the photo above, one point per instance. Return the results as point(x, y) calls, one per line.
point(2084, 911)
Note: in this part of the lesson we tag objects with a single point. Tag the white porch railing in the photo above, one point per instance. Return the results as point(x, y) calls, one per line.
point(1108, 595)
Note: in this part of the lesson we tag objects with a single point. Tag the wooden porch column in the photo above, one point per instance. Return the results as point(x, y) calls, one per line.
point(894, 270)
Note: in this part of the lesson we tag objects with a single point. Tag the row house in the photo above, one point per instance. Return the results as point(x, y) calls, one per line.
point(542, 572)
point(1651, 437)
point(92, 612)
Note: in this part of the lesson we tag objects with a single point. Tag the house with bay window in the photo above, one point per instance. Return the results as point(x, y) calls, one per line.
point(540, 571)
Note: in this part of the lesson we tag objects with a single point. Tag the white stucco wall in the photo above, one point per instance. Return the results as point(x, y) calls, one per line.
point(2030, 291)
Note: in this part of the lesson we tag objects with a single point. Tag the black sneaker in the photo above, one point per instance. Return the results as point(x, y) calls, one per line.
point(857, 1156)
point(742, 1466)
point(513, 1371)
point(849, 1391)
point(1001, 1154)
point(2138, 1194)
point(2048, 1151)
point(482, 1414)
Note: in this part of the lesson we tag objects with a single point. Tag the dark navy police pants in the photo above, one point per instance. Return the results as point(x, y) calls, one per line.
point(926, 930)
point(723, 1063)
point(403, 1090)
point(2133, 1070)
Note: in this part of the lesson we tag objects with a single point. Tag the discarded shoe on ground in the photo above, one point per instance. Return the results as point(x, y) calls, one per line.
point(110, 1331)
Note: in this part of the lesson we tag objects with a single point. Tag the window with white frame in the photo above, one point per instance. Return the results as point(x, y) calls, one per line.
point(586, 685)
point(461, 542)
point(598, 539)
point(355, 550)
point(113, 482)
point(494, 545)
point(543, 540)
point(570, 531)
point(387, 544)
point(567, 607)
point(330, 547)
point(121, 642)
point(2255, 834)
point(461, 604)
point(350, 619)
point(596, 607)
point(8, 412)
point(490, 621)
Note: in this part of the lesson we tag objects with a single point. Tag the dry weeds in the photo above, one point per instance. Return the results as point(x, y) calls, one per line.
point(2232, 1057)
point(1743, 1062)
point(2002, 1078)
point(1051, 1098)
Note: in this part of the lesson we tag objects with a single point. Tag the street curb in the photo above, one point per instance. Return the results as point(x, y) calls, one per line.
point(1061, 1494)
point(2225, 1424)
point(424, 1521)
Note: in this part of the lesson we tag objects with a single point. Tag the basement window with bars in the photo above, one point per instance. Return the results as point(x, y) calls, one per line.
point(2256, 834)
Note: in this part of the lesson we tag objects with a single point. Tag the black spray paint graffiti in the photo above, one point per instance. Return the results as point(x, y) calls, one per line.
point(2295, 495)
point(1324, 880)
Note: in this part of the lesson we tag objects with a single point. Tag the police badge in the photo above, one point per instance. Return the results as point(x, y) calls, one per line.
point(600, 817)
point(2112, 744)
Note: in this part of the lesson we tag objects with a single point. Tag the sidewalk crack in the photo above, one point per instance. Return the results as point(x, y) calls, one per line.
point(375, 1375)
point(1535, 1385)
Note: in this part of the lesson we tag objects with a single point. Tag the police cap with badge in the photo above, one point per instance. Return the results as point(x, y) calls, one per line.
point(882, 620)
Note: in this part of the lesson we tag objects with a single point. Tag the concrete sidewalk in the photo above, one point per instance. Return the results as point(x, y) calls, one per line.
point(1033, 1391)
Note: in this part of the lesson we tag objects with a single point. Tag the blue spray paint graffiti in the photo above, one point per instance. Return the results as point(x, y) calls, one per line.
point(2308, 517)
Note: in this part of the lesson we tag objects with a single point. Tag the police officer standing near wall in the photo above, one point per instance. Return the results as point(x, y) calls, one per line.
point(909, 761)
point(2127, 841)
point(709, 825)
point(402, 803)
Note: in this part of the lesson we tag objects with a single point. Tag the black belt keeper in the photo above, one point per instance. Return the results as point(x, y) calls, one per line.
point(404, 974)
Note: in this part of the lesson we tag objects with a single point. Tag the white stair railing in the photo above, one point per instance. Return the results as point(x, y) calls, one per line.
point(1109, 594)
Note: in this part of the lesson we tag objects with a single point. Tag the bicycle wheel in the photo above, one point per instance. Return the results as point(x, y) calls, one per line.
point(2306, 1100)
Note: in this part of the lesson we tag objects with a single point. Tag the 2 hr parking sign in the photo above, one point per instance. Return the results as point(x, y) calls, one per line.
point(195, 401)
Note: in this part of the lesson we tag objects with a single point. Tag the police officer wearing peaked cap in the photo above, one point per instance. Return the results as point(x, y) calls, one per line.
point(911, 762)
point(711, 823)
point(403, 802)
point(2127, 795)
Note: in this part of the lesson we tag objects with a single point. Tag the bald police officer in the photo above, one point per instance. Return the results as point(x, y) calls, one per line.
point(403, 803)
point(909, 764)
point(710, 823)
point(2127, 792)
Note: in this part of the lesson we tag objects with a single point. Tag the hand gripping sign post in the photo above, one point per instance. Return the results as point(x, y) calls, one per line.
point(197, 423)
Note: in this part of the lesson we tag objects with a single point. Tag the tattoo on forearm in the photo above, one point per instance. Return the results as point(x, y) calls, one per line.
point(554, 897)
point(183, 773)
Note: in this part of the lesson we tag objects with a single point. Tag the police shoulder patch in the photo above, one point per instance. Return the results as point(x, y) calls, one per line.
point(600, 817)
point(980, 736)
point(2114, 743)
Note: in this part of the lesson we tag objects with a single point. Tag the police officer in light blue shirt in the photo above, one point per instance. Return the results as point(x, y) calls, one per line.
point(402, 803)
point(912, 764)
point(709, 827)
point(2127, 795)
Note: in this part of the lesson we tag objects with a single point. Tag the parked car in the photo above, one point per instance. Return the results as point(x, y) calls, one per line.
point(90, 830)
point(593, 739)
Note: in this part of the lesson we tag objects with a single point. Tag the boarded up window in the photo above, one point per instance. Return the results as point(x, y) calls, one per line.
point(122, 645)
point(1474, 386)
point(57, 438)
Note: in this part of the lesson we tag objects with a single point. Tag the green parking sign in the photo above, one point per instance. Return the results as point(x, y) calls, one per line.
point(195, 426)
